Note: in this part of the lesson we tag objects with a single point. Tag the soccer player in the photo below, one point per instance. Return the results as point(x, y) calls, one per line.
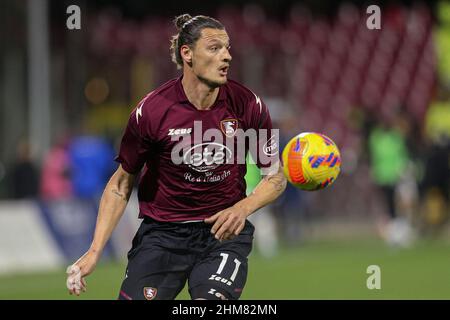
point(194, 210)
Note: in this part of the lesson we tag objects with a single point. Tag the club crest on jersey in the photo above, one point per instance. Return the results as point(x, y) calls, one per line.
point(150, 293)
point(229, 127)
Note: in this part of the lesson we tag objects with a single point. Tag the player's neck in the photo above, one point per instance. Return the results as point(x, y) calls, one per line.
point(198, 93)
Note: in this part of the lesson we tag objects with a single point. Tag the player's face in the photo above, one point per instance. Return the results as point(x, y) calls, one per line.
point(211, 57)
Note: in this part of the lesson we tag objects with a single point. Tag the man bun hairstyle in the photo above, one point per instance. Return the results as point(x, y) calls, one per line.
point(181, 20)
point(189, 31)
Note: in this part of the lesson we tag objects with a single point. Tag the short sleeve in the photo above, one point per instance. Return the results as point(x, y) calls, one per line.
point(267, 145)
point(135, 146)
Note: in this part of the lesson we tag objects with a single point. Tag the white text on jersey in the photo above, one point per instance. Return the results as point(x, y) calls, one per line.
point(173, 132)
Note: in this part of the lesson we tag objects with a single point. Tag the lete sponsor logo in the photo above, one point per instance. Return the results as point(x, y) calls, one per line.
point(206, 150)
point(207, 156)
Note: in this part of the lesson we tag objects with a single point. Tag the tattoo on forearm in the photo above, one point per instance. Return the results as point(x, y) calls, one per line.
point(117, 193)
point(278, 181)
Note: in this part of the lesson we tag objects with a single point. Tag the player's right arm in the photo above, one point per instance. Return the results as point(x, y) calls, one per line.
point(134, 151)
point(112, 206)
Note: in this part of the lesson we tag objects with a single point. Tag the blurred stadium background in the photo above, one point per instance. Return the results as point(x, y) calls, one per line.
point(381, 95)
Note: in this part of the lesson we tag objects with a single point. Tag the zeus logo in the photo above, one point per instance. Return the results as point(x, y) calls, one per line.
point(173, 132)
point(139, 112)
point(220, 279)
point(217, 294)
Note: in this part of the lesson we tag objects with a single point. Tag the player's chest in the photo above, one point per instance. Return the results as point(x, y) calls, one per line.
point(219, 123)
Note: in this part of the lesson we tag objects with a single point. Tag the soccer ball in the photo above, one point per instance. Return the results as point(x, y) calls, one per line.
point(311, 161)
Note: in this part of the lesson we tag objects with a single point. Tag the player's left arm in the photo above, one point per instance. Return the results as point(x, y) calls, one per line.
point(229, 223)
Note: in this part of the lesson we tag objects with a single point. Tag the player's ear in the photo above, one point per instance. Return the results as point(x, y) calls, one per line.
point(186, 54)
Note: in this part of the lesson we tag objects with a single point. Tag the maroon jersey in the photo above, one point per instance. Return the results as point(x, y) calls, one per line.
point(187, 174)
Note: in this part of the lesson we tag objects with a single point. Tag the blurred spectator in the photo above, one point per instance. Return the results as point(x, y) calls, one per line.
point(435, 184)
point(92, 163)
point(388, 156)
point(55, 182)
point(290, 206)
point(436, 175)
point(24, 174)
point(290, 209)
point(389, 159)
point(407, 191)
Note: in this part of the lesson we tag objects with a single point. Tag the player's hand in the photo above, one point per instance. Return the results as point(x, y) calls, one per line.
point(228, 223)
point(76, 273)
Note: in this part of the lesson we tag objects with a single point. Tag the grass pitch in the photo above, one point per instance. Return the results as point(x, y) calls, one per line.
point(316, 270)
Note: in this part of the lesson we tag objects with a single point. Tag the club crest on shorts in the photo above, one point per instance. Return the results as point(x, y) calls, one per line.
point(229, 127)
point(150, 293)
